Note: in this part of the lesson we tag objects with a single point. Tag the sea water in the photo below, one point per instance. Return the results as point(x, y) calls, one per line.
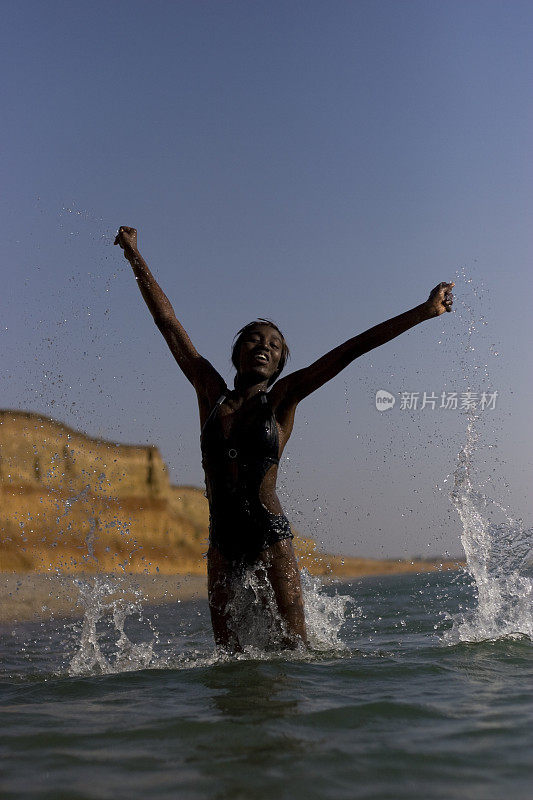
point(415, 686)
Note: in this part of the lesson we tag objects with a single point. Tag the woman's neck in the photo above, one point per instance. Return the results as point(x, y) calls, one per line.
point(247, 390)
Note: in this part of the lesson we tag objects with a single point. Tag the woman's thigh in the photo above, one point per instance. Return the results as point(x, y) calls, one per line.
point(220, 594)
point(284, 576)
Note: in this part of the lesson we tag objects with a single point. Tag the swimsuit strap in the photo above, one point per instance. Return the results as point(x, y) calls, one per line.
point(213, 412)
point(265, 401)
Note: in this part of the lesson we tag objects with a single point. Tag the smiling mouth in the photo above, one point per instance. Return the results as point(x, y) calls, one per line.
point(261, 358)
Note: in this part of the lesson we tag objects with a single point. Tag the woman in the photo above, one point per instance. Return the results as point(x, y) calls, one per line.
point(244, 433)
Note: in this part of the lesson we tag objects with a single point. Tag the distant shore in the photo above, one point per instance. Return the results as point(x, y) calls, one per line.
point(41, 595)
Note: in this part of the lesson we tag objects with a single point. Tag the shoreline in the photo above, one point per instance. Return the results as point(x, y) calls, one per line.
point(34, 596)
point(40, 595)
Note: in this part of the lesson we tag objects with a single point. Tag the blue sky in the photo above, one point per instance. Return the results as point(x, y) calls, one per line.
point(321, 164)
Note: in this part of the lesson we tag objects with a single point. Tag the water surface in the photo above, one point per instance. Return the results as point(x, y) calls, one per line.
point(394, 709)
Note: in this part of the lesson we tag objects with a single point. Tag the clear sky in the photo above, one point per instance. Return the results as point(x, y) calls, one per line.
point(324, 164)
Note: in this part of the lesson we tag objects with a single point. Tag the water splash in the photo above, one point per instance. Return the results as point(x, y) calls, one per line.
point(253, 616)
point(103, 647)
point(258, 626)
point(101, 651)
point(326, 614)
point(496, 553)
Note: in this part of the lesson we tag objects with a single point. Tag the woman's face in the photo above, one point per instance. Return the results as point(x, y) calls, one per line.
point(260, 352)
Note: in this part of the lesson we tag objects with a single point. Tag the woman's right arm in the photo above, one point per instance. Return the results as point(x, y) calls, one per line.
point(203, 376)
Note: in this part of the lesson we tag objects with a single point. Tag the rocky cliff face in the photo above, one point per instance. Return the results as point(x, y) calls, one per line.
point(78, 503)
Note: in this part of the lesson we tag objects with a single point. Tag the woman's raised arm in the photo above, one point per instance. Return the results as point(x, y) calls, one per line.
point(294, 387)
point(203, 376)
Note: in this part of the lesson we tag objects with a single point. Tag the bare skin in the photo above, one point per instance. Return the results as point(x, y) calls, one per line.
point(259, 359)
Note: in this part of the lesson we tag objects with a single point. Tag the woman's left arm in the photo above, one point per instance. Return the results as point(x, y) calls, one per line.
point(294, 387)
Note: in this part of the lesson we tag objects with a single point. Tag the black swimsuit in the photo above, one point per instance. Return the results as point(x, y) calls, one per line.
point(240, 526)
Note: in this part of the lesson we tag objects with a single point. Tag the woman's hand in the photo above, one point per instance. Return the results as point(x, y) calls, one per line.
point(126, 238)
point(439, 300)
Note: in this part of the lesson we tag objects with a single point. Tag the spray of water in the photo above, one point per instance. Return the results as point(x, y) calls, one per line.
point(325, 614)
point(496, 548)
point(104, 646)
point(258, 626)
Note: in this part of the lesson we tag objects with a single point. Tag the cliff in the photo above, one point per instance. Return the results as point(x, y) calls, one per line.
point(77, 503)
point(80, 504)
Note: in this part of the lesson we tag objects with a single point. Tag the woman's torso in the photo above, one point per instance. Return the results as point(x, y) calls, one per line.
point(240, 456)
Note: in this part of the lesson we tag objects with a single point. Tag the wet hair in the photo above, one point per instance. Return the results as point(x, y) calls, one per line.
point(239, 336)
